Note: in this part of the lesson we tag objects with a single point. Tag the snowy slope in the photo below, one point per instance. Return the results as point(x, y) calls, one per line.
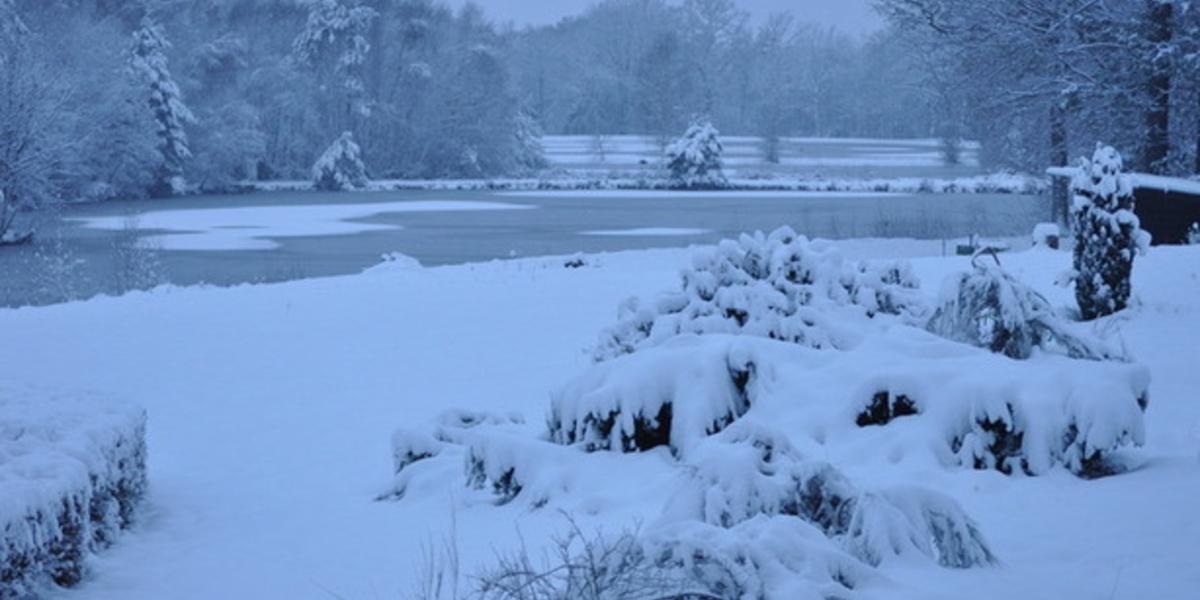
point(273, 409)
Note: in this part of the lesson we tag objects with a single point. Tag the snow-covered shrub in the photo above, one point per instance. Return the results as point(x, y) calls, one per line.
point(779, 286)
point(768, 558)
point(750, 470)
point(72, 473)
point(694, 160)
point(988, 308)
point(884, 407)
point(340, 167)
point(1107, 234)
point(671, 396)
point(1080, 431)
point(1193, 235)
point(1047, 235)
point(409, 446)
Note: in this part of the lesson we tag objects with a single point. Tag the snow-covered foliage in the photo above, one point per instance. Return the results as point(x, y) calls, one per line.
point(988, 308)
point(779, 286)
point(1047, 235)
point(336, 34)
point(147, 64)
point(637, 402)
point(340, 167)
point(1193, 235)
point(749, 470)
point(1107, 234)
point(72, 471)
point(694, 160)
point(527, 138)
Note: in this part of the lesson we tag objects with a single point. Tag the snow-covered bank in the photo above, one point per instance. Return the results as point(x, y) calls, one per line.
point(995, 183)
point(273, 409)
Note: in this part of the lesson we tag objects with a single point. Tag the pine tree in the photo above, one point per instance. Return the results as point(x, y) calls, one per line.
point(1107, 234)
point(148, 66)
point(694, 160)
point(340, 168)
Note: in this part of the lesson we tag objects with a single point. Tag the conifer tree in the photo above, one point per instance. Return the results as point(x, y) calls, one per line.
point(148, 66)
point(1107, 234)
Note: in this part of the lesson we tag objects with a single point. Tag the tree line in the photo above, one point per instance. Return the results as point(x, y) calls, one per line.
point(112, 98)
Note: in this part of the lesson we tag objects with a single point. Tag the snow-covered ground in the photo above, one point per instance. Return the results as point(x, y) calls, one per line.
point(271, 411)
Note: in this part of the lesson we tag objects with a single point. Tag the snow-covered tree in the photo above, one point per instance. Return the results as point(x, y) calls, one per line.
point(334, 41)
point(340, 167)
point(1107, 234)
point(694, 160)
point(32, 120)
point(147, 64)
point(527, 142)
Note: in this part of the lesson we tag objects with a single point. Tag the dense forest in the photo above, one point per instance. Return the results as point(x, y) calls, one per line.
point(162, 96)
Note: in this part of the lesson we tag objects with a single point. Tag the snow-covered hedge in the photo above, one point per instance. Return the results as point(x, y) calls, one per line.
point(779, 286)
point(340, 167)
point(72, 472)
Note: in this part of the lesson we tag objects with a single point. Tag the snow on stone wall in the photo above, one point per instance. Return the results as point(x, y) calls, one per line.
point(72, 471)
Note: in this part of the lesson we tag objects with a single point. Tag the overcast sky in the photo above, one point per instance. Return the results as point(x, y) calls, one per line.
point(852, 16)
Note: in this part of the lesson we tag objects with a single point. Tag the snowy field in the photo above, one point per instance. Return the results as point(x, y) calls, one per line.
point(272, 407)
point(744, 156)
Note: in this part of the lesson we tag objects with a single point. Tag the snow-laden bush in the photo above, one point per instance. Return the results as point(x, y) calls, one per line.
point(1107, 234)
point(673, 398)
point(340, 167)
point(1193, 235)
point(750, 470)
point(694, 160)
point(1047, 235)
point(779, 286)
point(988, 308)
point(72, 472)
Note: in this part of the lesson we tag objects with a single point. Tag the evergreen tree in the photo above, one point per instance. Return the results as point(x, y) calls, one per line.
point(694, 160)
point(340, 168)
point(1107, 234)
point(148, 66)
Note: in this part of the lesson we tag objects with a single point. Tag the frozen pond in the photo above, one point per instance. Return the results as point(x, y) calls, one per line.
point(275, 236)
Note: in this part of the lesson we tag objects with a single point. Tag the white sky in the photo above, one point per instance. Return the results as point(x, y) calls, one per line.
point(851, 16)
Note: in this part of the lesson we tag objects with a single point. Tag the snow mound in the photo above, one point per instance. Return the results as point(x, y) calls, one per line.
point(778, 286)
point(72, 471)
